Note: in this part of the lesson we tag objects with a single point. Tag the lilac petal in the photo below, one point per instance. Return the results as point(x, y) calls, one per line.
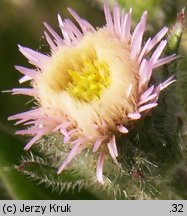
point(122, 129)
point(117, 19)
point(162, 86)
point(77, 148)
point(122, 18)
point(30, 131)
point(33, 122)
point(64, 132)
point(136, 41)
point(34, 57)
point(128, 25)
point(134, 116)
point(26, 132)
point(147, 93)
point(145, 100)
point(99, 170)
point(22, 121)
point(165, 60)
point(97, 144)
point(32, 141)
point(137, 36)
point(57, 128)
point(157, 38)
point(58, 39)
point(88, 26)
point(64, 128)
point(64, 33)
point(79, 140)
point(85, 26)
point(158, 51)
point(67, 31)
point(39, 133)
point(112, 151)
point(142, 68)
point(24, 79)
point(113, 145)
point(50, 42)
point(167, 83)
point(147, 107)
point(69, 135)
point(24, 91)
point(64, 125)
point(145, 71)
point(143, 52)
point(69, 25)
point(26, 71)
point(32, 113)
point(149, 72)
point(108, 17)
point(124, 24)
point(73, 35)
point(157, 89)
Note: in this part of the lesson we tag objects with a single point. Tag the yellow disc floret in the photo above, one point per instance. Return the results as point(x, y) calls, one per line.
point(88, 81)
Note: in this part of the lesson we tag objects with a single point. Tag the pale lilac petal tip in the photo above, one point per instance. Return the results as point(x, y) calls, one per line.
point(58, 39)
point(117, 20)
point(85, 26)
point(99, 170)
point(24, 79)
point(32, 141)
point(137, 36)
point(147, 99)
point(108, 16)
point(113, 149)
point(134, 116)
point(34, 57)
point(147, 107)
point(157, 39)
point(122, 129)
point(158, 51)
point(64, 32)
point(26, 71)
point(143, 51)
point(97, 144)
point(74, 151)
point(24, 91)
point(147, 93)
point(167, 83)
point(113, 144)
point(50, 42)
point(165, 60)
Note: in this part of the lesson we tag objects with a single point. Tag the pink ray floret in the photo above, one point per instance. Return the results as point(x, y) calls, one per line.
point(99, 171)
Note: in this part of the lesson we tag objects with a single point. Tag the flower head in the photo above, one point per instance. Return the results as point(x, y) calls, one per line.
point(93, 84)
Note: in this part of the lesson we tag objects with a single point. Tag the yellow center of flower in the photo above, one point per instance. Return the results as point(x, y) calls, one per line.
point(88, 81)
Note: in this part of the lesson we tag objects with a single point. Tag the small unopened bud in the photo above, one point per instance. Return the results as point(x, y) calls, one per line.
point(175, 33)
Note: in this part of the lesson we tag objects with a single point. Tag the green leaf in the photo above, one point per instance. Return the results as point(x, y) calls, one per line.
point(18, 186)
point(41, 171)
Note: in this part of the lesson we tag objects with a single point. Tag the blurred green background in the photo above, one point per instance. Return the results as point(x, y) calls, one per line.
point(21, 22)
